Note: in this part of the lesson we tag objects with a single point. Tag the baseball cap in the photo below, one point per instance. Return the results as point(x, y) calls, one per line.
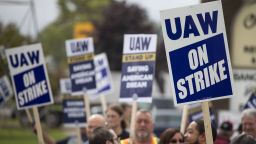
point(227, 126)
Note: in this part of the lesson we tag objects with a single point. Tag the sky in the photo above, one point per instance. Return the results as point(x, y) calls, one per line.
point(47, 11)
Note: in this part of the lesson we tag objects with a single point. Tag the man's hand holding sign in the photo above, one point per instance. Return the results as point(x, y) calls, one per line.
point(198, 57)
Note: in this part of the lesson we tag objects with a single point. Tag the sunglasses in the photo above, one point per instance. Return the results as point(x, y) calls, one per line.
point(176, 141)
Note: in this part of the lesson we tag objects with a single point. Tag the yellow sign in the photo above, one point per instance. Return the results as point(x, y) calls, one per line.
point(139, 57)
point(80, 58)
point(83, 29)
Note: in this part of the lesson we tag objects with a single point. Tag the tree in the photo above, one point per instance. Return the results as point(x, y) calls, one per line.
point(10, 37)
point(53, 37)
point(120, 18)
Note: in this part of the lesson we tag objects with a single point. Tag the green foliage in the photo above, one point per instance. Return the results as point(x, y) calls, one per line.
point(54, 35)
point(112, 19)
point(12, 133)
point(118, 19)
point(11, 37)
point(71, 11)
point(121, 18)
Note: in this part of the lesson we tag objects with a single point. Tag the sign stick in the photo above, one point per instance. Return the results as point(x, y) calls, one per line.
point(207, 123)
point(184, 119)
point(29, 116)
point(103, 103)
point(38, 126)
point(87, 105)
point(134, 110)
point(79, 138)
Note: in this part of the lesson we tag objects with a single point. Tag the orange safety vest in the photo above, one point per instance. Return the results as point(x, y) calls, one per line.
point(154, 140)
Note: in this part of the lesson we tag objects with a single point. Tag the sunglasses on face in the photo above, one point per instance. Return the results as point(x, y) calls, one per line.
point(173, 141)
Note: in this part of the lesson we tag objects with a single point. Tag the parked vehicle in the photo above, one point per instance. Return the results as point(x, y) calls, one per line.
point(165, 115)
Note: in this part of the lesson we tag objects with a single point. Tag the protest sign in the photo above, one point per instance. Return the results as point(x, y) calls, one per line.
point(244, 87)
point(29, 76)
point(195, 113)
point(138, 67)
point(103, 75)
point(197, 53)
point(5, 89)
point(74, 113)
point(197, 56)
point(80, 54)
point(30, 80)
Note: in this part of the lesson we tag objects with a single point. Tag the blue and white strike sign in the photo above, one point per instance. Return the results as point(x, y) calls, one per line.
point(197, 53)
point(29, 76)
point(74, 113)
point(103, 74)
point(139, 55)
point(5, 89)
point(80, 54)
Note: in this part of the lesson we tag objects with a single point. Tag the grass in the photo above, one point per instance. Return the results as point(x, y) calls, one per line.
point(12, 133)
point(16, 136)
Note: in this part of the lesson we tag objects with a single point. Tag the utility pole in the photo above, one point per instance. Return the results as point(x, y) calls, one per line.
point(33, 12)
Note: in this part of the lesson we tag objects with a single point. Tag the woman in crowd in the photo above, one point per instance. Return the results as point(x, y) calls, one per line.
point(171, 136)
point(127, 108)
point(115, 121)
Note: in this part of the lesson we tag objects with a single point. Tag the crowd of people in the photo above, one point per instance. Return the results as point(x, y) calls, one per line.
point(112, 129)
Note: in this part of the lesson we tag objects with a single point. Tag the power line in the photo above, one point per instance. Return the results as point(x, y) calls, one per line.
point(31, 5)
point(33, 12)
point(8, 2)
point(24, 18)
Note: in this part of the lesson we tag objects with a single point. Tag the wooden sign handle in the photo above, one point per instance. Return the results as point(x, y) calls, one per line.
point(103, 103)
point(29, 116)
point(132, 126)
point(87, 107)
point(207, 123)
point(38, 126)
point(184, 119)
point(79, 138)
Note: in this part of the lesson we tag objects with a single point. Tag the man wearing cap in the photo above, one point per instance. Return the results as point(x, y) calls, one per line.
point(225, 132)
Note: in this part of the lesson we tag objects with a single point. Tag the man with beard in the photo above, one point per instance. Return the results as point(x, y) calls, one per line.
point(195, 133)
point(143, 133)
